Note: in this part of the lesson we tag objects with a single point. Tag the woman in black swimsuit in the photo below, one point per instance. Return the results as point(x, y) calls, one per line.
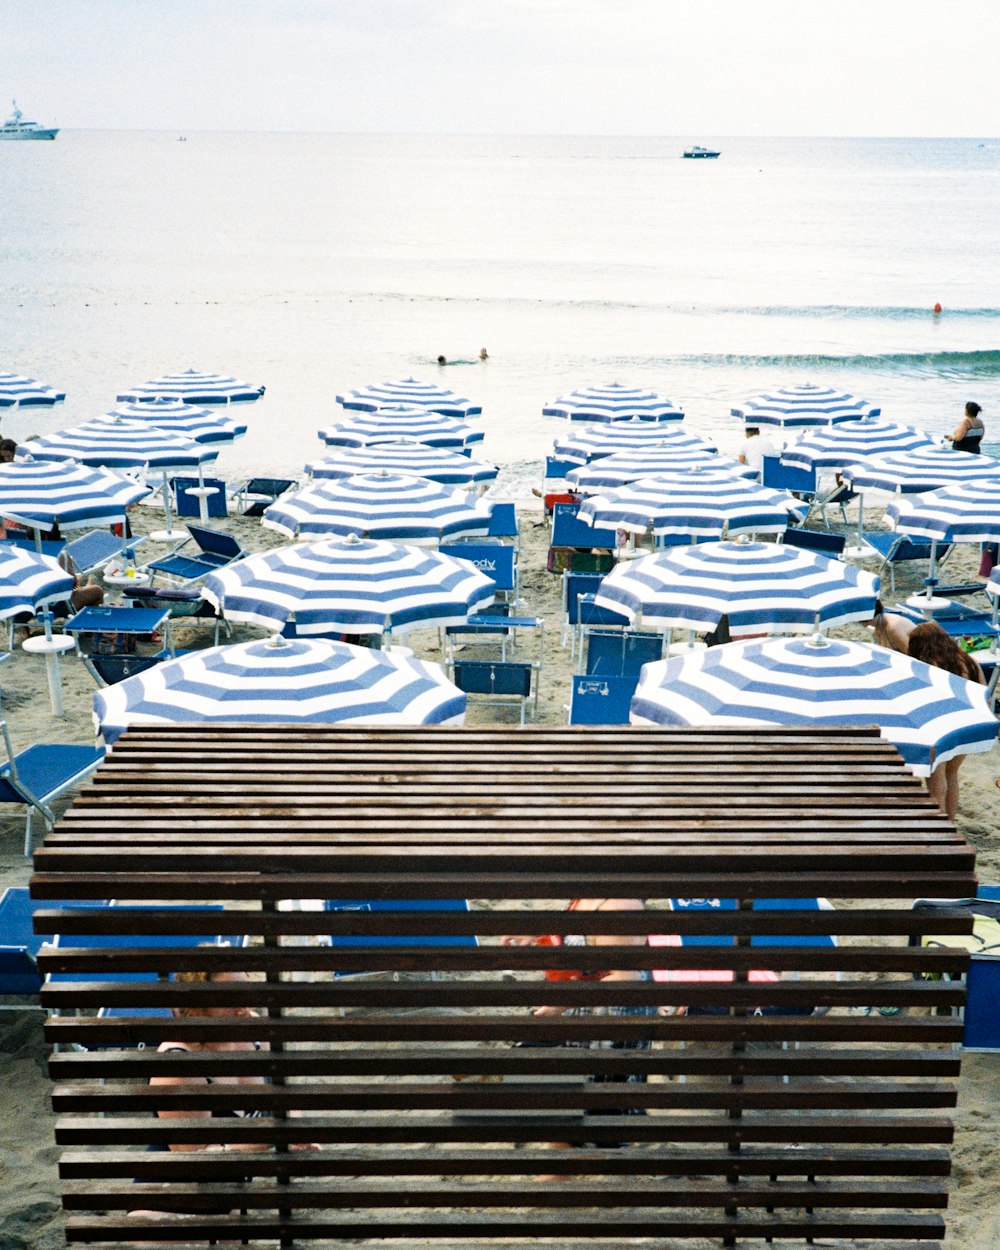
point(968, 434)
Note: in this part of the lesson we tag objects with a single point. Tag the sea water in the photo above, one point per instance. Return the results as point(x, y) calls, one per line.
point(317, 263)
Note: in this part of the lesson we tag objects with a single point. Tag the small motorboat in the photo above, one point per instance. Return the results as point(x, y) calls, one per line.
point(701, 154)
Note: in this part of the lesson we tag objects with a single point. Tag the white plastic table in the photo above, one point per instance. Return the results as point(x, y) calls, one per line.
point(202, 493)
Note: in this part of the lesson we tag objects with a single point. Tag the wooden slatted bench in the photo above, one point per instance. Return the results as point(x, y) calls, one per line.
point(431, 1092)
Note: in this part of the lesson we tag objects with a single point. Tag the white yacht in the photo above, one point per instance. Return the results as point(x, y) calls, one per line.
point(15, 127)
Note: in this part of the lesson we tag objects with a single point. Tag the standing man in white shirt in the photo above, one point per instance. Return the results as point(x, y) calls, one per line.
point(755, 448)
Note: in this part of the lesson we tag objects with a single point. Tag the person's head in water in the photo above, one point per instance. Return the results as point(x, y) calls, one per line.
point(442, 360)
point(972, 410)
point(483, 354)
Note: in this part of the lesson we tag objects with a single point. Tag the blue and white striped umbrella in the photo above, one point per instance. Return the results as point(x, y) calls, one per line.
point(610, 472)
point(851, 442)
point(586, 445)
point(613, 402)
point(404, 421)
point(17, 391)
point(705, 504)
point(410, 391)
point(301, 681)
point(379, 505)
point(928, 714)
point(922, 468)
point(437, 464)
point(195, 388)
point(28, 580)
point(350, 586)
point(799, 407)
point(42, 494)
point(204, 425)
point(967, 513)
point(115, 443)
point(759, 587)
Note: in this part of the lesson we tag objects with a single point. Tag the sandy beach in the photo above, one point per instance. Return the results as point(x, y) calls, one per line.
point(29, 1188)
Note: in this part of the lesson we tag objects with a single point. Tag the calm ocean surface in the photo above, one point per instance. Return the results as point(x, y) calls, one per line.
point(319, 263)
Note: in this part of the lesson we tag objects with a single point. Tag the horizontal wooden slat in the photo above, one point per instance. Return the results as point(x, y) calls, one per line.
point(773, 1127)
point(650, 1161)
point(363, 1097)
point(347, 922)
point(400, 1060)
point(571, 1194)
point(361, 956)
point(140, 882)
point(598, 1224)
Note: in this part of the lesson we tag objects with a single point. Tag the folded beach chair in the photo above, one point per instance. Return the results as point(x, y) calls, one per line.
point(496, 681)
point(258, 493)
point(19, 943)
point(601, 700)
point(893, 549)
point(208, 550)
point(40, 773)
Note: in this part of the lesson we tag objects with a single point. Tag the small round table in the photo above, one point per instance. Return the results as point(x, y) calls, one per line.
point(202, 493)
point(51, 647)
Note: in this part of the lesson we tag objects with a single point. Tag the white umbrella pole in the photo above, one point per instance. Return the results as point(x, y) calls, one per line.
point(926, 600)
point(857, 552)
point(169, 534)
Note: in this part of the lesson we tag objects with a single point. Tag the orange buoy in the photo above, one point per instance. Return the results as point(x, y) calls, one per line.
point(937, 308)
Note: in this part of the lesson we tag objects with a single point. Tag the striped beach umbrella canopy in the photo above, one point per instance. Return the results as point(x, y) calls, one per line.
point(195, 388)
point(583, 446)
point(410, 392)
point(852, 442)
point(927, 713)
point(705, 504)
point(437, 464)
point(610, 472)
point(403, 421)
point(113, 442)
point(28, 580)
point(204, 425)
point(349, 586)
point(383, 505)
point(968, 512)
point(758, 587)
point(301, 681)
point(920, 469)
point(17, 391)
point(804, 406)
point(42, 494)
point(613, 402)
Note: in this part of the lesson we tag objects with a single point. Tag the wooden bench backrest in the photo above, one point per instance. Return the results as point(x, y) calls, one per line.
point(794, 1108)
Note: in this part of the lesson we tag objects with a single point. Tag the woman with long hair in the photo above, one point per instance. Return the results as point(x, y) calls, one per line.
point(930, 643)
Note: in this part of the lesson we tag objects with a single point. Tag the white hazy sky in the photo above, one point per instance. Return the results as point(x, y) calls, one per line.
point(673, 67)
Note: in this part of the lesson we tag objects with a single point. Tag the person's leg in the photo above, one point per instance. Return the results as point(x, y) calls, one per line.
point(937, 786)
point(951, 770)
point(88, 596)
